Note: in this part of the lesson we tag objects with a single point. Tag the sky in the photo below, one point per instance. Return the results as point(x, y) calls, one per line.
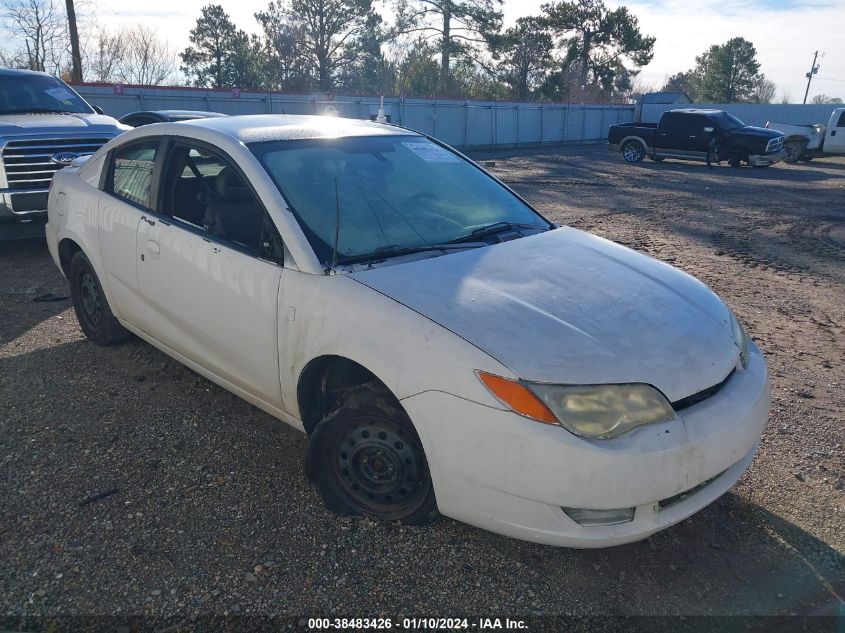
point(785, 32)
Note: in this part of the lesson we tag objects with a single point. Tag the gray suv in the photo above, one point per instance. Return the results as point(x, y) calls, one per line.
point(44, 126)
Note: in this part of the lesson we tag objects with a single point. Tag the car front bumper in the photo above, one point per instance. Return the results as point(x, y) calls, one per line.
point(764, 160)
point(499, 471)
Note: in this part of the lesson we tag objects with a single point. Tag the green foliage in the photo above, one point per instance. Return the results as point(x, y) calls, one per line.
point(328, 30)
point(682, 82)
point(370, 72)
point(727, 73)
point(595, 42)
point(457, 28)
point(525, 51)
point(219, 52)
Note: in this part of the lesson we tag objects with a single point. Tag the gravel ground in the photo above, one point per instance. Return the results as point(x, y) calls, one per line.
point(203, 508)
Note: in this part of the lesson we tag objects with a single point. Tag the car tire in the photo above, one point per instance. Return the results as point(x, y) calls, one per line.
point(735, 160)
point(633, 151)
point(366, 458)
point(794, 149)
point(92, 309)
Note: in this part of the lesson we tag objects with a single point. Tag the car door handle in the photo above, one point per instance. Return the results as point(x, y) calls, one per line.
point(153, 248)
point(147, 220)
point(833, 133)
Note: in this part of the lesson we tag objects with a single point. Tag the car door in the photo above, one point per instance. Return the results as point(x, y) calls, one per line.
point(834, 142)
point(128, 186)
point(682, 135)
point(209, 271)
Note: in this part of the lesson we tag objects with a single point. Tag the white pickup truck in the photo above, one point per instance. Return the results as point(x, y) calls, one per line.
point(806, 142)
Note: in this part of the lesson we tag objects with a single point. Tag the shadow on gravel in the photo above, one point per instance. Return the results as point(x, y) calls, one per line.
point(19, 287)
point(732, 558)
point(125, 485)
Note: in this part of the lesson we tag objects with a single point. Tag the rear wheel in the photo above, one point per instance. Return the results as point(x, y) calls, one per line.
point(794, 149)
point(366, 458)
point(89, 302)
point(633, 151)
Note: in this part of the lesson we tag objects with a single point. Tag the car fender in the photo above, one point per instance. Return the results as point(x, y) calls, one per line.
point(73, 214)
point(334, 315)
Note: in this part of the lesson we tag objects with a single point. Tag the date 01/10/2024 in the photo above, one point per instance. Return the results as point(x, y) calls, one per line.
point(417, 624)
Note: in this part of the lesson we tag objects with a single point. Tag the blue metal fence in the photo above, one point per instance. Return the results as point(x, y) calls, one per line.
point(457, 122)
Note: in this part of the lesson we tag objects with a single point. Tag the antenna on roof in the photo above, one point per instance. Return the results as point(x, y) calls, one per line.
point(336, 224)
point(380, 118)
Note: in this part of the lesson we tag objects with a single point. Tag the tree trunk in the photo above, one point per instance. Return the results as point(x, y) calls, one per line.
point(446, 49)
point(76, 55)
point(585, 61)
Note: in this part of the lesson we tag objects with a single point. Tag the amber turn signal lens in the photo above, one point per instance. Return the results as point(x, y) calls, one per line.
point(517, 397)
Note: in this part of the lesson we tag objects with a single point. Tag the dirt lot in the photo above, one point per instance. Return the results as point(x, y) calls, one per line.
point(210, 513)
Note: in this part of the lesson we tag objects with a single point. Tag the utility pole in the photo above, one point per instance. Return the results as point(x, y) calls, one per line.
point(76, 55)
point(813, 70)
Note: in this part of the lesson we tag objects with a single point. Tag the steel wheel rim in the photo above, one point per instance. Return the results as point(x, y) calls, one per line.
point(91, 299)
point(632, 151)
point(381, 469)
point(792, 151)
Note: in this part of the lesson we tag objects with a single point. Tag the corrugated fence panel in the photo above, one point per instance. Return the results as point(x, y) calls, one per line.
point(754, 113)
point(457, 122)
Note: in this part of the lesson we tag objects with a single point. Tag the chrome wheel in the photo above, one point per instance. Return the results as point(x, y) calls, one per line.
point(633, 151)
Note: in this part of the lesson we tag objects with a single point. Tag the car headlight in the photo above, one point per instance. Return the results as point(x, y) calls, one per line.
point(740, 338)
point(595, 411)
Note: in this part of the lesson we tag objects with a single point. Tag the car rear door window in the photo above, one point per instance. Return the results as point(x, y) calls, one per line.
point(132, 172)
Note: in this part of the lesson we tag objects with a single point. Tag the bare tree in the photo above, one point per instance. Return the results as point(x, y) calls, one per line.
point(764, 90)
point(41, 28)
point(145, 59)
point(105, 55)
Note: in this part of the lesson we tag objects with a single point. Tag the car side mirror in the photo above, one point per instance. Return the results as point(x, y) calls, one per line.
point(709, 130)
point(98, 110)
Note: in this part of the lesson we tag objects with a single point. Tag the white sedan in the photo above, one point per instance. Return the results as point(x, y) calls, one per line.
point(445, 348)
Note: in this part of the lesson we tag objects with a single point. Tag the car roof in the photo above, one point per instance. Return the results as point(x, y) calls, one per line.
point(254, 128)
point(697, 110)
point(174, 115)
point(18, 72)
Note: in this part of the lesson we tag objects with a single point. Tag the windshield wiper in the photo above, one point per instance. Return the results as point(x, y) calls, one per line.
point(492, 229)
point(386, 252)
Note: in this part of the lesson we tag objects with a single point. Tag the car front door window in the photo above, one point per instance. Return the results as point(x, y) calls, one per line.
point(206, 192)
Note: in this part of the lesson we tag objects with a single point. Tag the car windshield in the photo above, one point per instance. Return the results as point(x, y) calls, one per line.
point(23, 94)
point(728, 121)
point(393, 194)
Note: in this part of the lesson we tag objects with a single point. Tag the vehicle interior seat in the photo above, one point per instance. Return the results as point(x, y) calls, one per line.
point(233, 213)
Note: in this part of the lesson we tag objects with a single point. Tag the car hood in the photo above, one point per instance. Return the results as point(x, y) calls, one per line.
point(761, 133)
point(20, 124)
point(569, 307)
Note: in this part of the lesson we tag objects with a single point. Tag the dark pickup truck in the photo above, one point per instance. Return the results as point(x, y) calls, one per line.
point(690, 134)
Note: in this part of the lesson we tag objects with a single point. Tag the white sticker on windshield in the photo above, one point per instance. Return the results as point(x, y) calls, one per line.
point(432, 153)
point(62, 94)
